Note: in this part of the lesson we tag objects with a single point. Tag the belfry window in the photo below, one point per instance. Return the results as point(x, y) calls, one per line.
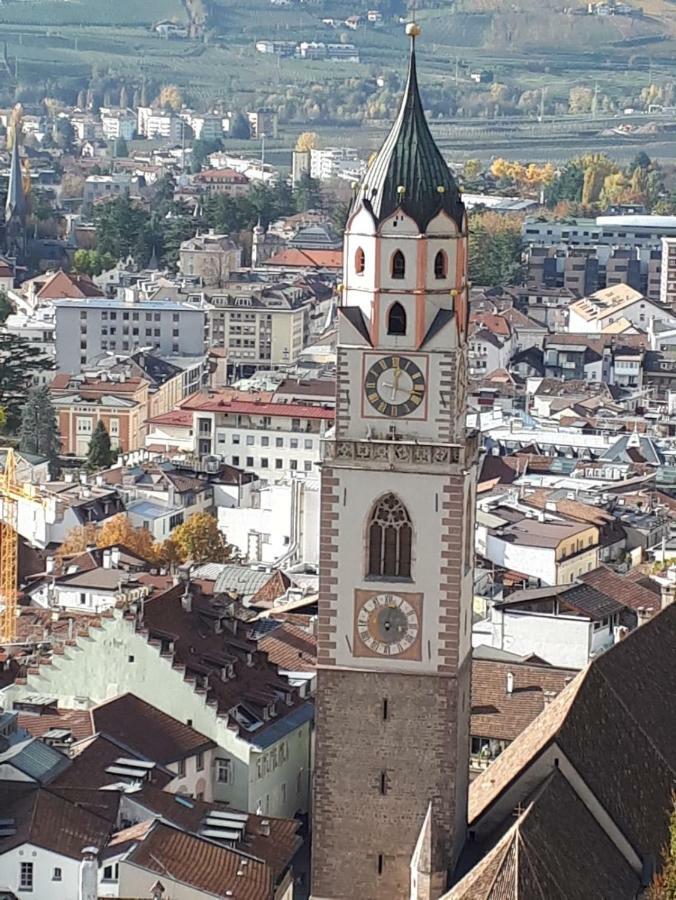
point(359, 261)
point(389, 539)
point(396, 319)
point(440, 265)
point(398, 265)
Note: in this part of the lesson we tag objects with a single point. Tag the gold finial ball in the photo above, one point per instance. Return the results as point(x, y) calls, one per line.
point(413, 29)
point(401, 189)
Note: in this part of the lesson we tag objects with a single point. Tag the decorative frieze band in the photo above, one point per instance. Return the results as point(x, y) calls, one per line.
point(400, 452)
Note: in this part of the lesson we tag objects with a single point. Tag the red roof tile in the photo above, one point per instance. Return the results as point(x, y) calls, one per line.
point(311, 259)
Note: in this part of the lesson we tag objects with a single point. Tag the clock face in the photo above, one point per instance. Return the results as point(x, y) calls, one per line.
point(394, 386)
point(388, 624)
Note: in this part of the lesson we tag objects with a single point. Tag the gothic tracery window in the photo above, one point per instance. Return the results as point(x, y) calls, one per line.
point(389, 539)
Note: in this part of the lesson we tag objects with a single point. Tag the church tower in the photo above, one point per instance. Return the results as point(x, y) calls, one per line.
point(16, 206)
point(397, 536)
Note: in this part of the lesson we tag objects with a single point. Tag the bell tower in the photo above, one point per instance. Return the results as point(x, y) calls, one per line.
point(397, 536)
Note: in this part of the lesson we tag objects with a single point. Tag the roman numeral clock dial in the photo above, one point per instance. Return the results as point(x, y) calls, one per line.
point(387, 624)
point(394, 386)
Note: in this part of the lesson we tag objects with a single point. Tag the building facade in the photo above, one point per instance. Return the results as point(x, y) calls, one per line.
point(85, 329)
point(396, 543)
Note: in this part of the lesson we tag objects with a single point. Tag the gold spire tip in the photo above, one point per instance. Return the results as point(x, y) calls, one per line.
point(413, 30)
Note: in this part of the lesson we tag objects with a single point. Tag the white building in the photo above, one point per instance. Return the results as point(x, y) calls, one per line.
point(273, 440)
point(157, 124)
point(618, 309)
point(336, 162)
point(566, 627)
point(668, 272)
point(118, 123)
point(280, 522)
point(85, 329)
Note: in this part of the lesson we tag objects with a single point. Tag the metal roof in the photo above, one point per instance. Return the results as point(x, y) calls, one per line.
point(409, 172)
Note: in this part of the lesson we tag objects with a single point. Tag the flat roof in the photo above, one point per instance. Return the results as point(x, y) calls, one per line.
point(141, 306)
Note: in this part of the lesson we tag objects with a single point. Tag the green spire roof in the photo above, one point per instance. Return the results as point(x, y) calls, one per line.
point(409, 170)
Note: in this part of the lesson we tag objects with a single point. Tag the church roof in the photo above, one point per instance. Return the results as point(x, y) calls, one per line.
point(15, 206)
point(409, 171)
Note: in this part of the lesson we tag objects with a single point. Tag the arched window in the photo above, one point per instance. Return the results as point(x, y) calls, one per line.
point(396, 319)
point(440, 265)
point(359, 261)
point(398, 265)
point(389, 539)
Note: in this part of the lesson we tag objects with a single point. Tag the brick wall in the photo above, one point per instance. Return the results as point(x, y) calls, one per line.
point(416, 747)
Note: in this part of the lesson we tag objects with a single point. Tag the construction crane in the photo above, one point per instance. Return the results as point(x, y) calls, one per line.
point(10, 492)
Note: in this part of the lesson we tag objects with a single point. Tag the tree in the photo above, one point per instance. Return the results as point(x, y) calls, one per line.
point(64, 134)
point(91, 262)
point(39, 432)
point(239, 127)
point(3, 417)
point(77, 540)
point(663, 886)
point(121, 149)
point(100, 454)
point(118, 531)
point(6, 307)
point(308, 193)
point(308, 140)
point(20, 362)
point(494, 249)
point(199, 540)
point(170, 98)
point(201, 150)
point(119, 225)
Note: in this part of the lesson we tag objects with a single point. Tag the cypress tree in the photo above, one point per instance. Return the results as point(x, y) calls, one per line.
point(100, 455)
point(39, 432)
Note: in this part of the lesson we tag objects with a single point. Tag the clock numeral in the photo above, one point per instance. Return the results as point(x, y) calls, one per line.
point(382, 407)
point(383, 364)
point(373, 397)
point(394, 361)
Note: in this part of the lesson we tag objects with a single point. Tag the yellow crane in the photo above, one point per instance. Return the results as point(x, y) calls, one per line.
point(10, 493)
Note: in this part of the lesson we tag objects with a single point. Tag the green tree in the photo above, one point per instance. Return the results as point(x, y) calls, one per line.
point(567, 186)
point(663, 886)
point(308, 193)
point(495, 249)
point(119, 226)
point(121, 149)
point(39, 432)
point(100, 455)
point(202, 150)
point(6, 307)
point(20, 362)
point(64, 134)
point(91, 262)
point(239, 127)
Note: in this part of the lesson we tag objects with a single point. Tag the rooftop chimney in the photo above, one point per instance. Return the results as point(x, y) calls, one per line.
point(510, 682)
point(265, 827)
point(186, 599)
point(89, 871)
point(50, 563)
point(106, 559)
point(115, 557)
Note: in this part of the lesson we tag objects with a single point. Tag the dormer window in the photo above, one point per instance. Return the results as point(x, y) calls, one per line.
point(396, 319)
point(441, 265)
point(398, 265)
point(359, 261)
